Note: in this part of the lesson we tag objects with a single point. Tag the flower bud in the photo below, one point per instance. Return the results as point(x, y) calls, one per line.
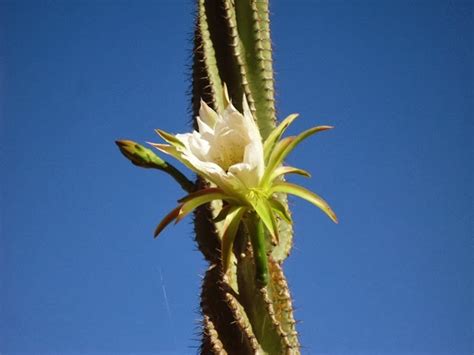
point(139, 155)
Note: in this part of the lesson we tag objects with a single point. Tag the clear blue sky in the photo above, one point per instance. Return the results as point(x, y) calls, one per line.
point(80, 271)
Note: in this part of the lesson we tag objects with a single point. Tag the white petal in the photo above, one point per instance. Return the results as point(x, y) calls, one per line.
point(195, 156)
point(216, 175)
point(254, 157)
point(203, 127)
point(195, 144)
point(231, 120)
point(226, 95)
point(207, 114)
point(245, 173)
point(252, 128)
point(229, 110)
point(245, 106)
point(204, 167)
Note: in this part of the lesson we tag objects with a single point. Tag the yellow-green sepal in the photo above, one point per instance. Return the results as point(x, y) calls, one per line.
point(231, 226)
point(280, 209)
point(281, 170)
point(264, 210)
point(305, 194)
point(170, 138)
point(198, 198)
point(222, 213)
point(276, 134)
point(170, 217)
point(285, 146)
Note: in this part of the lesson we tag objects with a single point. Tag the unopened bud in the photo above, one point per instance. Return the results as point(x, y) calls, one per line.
point(139, 155)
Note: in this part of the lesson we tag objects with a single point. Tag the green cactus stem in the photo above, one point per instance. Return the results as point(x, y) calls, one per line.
point(240, 316)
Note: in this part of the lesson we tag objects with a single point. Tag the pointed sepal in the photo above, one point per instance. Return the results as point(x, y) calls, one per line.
point(264, 211)
point(199, 198)
point(285, 146)
point(282, 170)
point(231, 226)
point(170, 217)
point(280, 209)
point(276, 134)
point(310, 196)
point(168, 137)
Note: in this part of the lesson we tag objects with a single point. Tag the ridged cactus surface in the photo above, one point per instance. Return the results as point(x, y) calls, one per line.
point(232, 46)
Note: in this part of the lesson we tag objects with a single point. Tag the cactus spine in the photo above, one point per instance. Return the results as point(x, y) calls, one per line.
point(232, 45)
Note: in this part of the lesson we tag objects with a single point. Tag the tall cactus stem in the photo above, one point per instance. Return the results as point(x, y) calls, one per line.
point(248, 310)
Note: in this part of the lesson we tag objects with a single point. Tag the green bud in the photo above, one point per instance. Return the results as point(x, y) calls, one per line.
point(139, 155)
point(145, 158)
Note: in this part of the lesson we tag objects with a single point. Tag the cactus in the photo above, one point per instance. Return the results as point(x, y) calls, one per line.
point(232, 45)
point(245, 301)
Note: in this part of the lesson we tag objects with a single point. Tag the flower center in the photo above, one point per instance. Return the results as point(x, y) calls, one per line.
point(227, 151)
point(255, 193)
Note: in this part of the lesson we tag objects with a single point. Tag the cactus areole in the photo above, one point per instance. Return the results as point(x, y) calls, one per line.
point(243, 224)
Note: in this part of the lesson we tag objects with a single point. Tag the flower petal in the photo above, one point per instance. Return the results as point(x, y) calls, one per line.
point(209, 170)
point(265, 212)
point(207, 115)
point(300, 191)
point(246, 108)
point(254, 157)
point(195, 144)
point(171, 139)
point(170, 217)
point(276, 134)
point(285, 146)
point(245, 174)
point(226, 96)
point(204, 128)
point(167, 149)
point(223, 213)
point(280, 209)
point(202, 192)
point(195, 202)
point(281, 170)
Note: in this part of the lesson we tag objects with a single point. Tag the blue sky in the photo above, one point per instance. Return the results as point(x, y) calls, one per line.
point(80, 271)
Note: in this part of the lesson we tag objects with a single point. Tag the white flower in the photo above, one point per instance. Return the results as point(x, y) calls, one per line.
point(228, 151)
